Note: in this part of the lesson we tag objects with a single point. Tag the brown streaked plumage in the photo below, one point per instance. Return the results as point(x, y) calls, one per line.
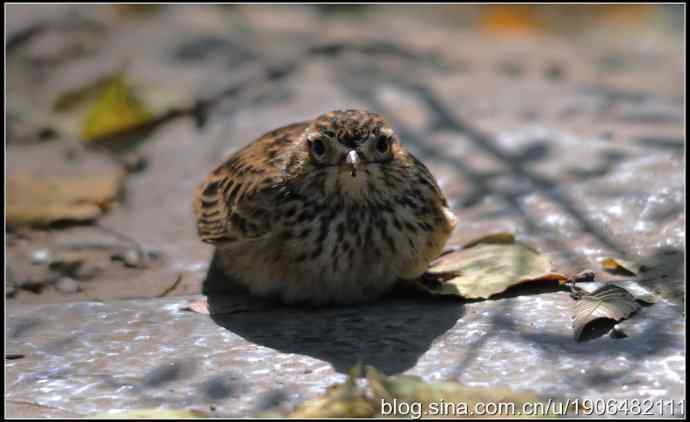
point(324, 212)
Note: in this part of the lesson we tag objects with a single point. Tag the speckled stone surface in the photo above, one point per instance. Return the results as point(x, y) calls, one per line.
point(573, 141)
point(89, 357)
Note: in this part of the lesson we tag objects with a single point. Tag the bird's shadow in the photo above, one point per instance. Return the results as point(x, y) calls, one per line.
point(390, 334)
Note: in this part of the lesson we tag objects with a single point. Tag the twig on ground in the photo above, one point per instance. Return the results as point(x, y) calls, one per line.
point(172, 287)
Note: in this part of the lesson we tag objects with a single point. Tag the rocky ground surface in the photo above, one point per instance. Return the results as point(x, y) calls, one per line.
point(572, 141)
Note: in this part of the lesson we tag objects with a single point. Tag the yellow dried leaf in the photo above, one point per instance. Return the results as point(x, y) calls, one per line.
point(614, 264)
point(116, 109)
point(510, 20)
point(489, 266)
point(44, 200)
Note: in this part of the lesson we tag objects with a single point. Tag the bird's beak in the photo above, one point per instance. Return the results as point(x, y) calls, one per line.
point(352, 160)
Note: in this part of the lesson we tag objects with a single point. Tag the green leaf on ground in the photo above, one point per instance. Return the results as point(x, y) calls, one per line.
point(116, 109)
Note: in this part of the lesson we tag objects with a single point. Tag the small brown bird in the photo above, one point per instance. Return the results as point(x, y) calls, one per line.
point(331, 211)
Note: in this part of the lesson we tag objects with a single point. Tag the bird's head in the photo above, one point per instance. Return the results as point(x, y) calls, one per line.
point(350, 141)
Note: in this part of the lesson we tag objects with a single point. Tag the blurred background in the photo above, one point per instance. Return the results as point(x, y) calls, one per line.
point(116, 112)
point(563, 124)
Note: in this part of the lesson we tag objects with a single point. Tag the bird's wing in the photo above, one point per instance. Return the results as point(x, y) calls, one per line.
point(236, 201)
point(425, 177)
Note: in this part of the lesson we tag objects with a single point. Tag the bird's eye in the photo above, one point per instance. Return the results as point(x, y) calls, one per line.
point(382, 144)
point(318, 147)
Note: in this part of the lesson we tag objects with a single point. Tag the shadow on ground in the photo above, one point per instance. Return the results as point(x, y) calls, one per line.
point(390, 334)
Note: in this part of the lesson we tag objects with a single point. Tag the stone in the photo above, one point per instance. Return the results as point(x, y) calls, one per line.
point(41, 257)
point(132, 258)
point(67, 285)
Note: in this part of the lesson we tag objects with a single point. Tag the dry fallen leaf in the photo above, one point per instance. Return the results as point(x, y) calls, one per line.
point(489, 266)
point(607, 302)
point(44, 200)
point(504, 238)
point(614, 264)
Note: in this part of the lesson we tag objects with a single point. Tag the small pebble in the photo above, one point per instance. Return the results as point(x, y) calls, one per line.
point(40, 257)
point(132, 258)
point(67, 285)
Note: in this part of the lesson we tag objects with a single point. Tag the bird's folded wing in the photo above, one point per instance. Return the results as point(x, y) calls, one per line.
point(218, 219)
point(237, 200)
point(231, 207)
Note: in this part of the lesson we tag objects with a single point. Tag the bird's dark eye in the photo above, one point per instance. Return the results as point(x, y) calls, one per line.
point(318, 147)
point(382, 144)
